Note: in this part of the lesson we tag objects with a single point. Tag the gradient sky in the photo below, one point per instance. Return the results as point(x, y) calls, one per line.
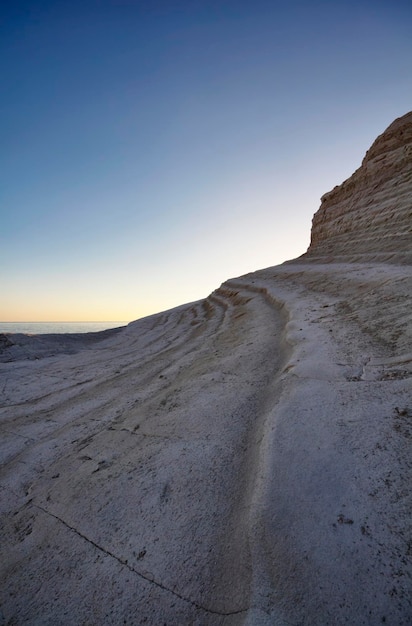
point(151, 150)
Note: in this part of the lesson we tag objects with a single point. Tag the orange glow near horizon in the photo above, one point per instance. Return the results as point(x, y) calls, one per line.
point(141, 177)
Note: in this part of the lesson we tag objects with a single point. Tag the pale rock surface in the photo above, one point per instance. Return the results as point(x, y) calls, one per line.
point(241, 460)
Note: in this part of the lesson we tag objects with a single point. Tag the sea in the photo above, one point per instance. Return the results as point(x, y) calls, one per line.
point(43, 328)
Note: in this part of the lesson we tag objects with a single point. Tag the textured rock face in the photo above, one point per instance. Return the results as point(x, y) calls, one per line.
point(240, 460)
point(369, 216)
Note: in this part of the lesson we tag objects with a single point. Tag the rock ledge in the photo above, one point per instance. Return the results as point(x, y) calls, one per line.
point(369, 216)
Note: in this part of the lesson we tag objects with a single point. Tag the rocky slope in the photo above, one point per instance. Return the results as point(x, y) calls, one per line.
point(369, 216)
point(243, 460)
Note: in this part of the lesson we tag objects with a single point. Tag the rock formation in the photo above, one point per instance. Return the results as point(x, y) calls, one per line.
point(243, 460)
point(369, 216)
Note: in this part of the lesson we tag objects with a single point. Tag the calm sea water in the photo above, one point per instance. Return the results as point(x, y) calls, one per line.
point(41, 328)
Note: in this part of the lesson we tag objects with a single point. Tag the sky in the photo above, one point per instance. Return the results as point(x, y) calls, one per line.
point(151, 150)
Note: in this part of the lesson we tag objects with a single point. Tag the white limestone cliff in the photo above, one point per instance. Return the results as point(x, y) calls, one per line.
point(241, 460)
point(369, 216)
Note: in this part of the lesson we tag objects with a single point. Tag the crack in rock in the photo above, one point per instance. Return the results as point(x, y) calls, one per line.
point(125, 563)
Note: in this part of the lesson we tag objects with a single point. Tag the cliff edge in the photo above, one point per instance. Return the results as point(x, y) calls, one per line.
point(243, 460)
point(369, 216)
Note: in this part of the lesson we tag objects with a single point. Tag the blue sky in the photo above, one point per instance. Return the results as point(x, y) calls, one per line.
point(151, 150)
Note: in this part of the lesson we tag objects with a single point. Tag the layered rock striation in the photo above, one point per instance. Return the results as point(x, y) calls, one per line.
point(243, 460)
point(369, 216)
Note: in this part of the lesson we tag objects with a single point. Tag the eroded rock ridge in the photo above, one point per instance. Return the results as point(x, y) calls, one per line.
point(369, 216)
point(243, 460)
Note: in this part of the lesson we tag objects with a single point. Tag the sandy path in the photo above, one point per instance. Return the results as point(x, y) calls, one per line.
point(239, 460)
